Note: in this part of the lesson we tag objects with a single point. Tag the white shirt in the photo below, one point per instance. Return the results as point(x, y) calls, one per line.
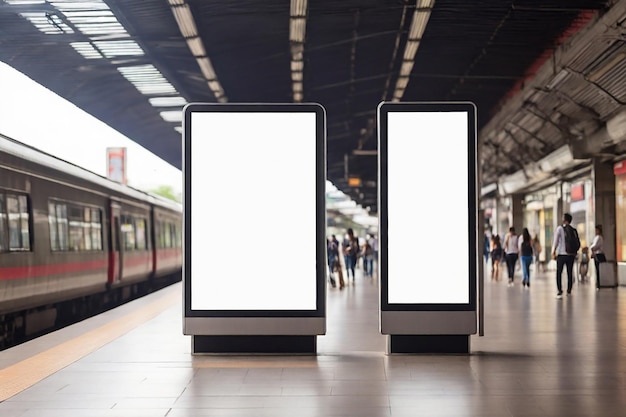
point(597, 244)
point(511, 244)
point(558, 244)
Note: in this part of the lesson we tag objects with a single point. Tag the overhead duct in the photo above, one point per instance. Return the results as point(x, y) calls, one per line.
point(558, 161)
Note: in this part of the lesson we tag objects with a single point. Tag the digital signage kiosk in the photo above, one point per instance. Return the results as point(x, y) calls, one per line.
point(254, 224)
point(427, 223)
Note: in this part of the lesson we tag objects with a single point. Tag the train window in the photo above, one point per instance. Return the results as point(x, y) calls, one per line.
point(19, 222)
point(140, 233)
point(3, 225)
point(128, 232)
point(73, 227)
point(96, 230)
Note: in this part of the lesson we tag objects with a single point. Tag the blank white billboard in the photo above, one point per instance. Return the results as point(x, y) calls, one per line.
point(253, 207)
point(428, 204)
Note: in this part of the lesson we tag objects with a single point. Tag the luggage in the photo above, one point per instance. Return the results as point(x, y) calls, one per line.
point(608, 274)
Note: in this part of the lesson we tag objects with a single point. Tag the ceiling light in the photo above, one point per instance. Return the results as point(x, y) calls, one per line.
point(207, 68)
point(185, 21)
point(558, 79)
point(403, 81)
point(298, 7)
point(297, 65)
point(297, 97)
point(86, 50)
point(48, 23)
point(196, 46)
point(411, 49)
point(296, 76)
point(112, 49)
point(147, 79)
point(172, 115)
point(167, 101)
point(406, 68)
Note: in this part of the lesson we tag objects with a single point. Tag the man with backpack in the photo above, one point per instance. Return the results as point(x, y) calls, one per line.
point(564, 248)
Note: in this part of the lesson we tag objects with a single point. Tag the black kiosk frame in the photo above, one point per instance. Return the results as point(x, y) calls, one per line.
point(236, 157)
point(428, 210)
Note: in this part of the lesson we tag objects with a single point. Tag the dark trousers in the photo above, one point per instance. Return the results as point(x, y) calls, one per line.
point(568, 262)
point(511, 260)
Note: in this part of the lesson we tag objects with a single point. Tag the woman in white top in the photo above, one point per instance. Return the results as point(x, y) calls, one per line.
point(511, 250)
point(597, 252)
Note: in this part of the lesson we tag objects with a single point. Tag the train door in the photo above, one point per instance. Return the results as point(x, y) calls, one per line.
point(116, 254)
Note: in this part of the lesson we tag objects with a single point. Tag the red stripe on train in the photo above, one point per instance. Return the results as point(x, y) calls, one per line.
point(32, 271)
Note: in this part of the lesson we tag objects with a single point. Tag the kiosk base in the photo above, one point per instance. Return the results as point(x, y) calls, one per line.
point(436, 343)
point(284, 345)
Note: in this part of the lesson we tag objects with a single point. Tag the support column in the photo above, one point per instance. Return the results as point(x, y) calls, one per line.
point(604, 198)
point(517, 212)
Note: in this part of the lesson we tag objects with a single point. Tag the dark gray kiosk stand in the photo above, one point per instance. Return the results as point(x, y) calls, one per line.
point(428, 226)
point(246, 290)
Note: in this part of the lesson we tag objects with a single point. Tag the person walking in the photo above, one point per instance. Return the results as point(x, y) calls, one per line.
point(511, 249)
point(526, 256)
point(563, 257)
point(597, 252)
point(350, 251)
point(496, 257)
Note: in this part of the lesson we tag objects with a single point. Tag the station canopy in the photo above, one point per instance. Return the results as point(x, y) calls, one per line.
point(544, 75)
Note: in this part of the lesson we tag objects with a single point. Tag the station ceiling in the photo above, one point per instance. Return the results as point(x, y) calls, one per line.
point(543, 73)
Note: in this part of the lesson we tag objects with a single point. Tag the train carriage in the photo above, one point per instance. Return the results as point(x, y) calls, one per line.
point(73, 242)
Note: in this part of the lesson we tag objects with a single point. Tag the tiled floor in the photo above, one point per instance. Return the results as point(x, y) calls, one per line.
point(539, 357)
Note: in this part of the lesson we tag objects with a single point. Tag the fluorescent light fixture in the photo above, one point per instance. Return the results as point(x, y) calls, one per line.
point(402, 82)
point(185, 21)
point(406, 68)
point(410, 49)
point(297, 66)
point(196, 46)
point(296, 76)
point(416, 30)
point(297, 29)
point(79, 5)
point(558, 79)
point(172, 115)
point(297, 97)
point(297, 87)
point(112, 49)
point(23, 2)
point(86, 50)
point(147, 79)
point(215, 87)
point(167, 101)
point(207, 68)
point(50, 24)
point(298, 7)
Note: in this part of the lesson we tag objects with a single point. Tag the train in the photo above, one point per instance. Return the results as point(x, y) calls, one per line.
point(74, 243)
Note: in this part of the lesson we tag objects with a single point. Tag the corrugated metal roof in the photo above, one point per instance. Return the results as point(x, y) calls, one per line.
point(484, 51)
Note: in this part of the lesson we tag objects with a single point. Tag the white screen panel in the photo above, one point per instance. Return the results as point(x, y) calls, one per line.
point(427, 213)
point(253, 247)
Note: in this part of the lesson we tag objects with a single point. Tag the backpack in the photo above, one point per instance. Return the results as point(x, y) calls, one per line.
point(572, 242)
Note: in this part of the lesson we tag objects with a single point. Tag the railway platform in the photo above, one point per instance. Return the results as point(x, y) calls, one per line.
point(539, 357)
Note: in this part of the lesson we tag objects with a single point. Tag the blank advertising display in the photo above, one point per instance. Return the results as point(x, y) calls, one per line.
point(254, 219)
point(428, 217)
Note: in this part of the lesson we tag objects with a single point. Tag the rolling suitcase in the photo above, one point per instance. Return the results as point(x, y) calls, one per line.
point(608, 274)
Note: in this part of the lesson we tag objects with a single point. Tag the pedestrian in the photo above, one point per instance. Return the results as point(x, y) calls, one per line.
point(350, 250)
point(496, 257)
point(564, 258)
point(333, 258)
point(597, 252)
point(511, 250)
point(526, 256)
